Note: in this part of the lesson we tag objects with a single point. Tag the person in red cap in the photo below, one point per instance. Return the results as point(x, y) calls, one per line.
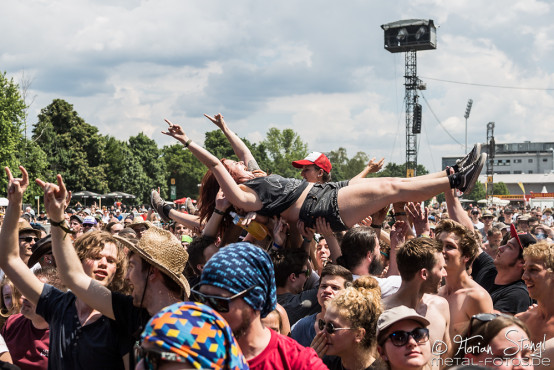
point(316, 167)
point(294, 200)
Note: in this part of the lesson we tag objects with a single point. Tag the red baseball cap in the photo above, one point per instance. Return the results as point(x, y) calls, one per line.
point(317, 158)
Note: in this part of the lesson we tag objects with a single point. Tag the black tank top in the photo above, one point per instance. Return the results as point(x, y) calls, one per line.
point(276, 192)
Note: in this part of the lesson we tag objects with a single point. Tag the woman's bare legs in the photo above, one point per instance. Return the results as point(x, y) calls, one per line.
point(367, 197)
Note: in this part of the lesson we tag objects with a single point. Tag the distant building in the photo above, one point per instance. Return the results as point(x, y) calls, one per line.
point(531, 164)
point(517, 158)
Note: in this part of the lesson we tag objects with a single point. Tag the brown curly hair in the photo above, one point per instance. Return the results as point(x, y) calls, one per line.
point(361, 305)
point(90, 244)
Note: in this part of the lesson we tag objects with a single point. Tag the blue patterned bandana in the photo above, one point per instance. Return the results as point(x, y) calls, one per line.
point(240, 266)
point(196, 333)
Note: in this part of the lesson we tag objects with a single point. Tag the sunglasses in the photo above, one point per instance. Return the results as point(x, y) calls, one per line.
point(220, 304)
point(483, 318)
point(29, 239)
point(329, 326)
point(400, 338)
point(308, 272)
point(152, 358)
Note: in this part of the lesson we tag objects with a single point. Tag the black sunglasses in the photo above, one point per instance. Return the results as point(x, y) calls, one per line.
point(220, 304)
point(329, 327)
point(308, 272)
point(400, 338)
point(152, 358)
point(484, 318)
point(29, 239)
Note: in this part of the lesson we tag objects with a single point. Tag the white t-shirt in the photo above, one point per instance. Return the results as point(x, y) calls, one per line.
point(388, 285)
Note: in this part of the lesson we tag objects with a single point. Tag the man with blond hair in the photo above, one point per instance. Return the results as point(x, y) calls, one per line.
point(465, 297)
point(539, 279)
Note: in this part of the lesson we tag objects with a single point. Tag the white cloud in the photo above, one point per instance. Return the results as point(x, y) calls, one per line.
point(318, 67)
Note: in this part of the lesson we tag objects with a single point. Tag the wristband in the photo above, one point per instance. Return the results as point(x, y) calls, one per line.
point(307, 240)
point(424, 235)
point(399, 214)
point(276, 246)
point(188, 143)
point(376, 226)
point(219, 212)
point(61, 225)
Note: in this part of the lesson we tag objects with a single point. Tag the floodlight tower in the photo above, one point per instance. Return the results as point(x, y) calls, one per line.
point(490, 161)
point(409, 36)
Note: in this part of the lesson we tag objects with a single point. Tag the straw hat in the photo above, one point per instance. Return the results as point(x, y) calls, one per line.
point(138, 221)
point(161, 249)
point(23, 225)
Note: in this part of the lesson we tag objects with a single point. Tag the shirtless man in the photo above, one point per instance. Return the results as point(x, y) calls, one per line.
point(421, 266)
point(465, 297)
point(539, 278)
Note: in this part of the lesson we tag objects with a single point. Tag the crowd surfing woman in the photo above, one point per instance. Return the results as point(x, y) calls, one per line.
point(342, 205)
point(347, 331)
point(403, 339)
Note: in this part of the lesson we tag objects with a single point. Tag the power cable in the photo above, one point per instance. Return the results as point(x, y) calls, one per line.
point(487, 85)
point(438, 121)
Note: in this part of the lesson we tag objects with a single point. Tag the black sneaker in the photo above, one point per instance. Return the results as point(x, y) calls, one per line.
point(468, 159)
point(468, 175)
point(158, 204)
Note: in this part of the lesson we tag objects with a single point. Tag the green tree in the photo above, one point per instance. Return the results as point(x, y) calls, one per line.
point(477, 193)
point(184, 168)
point(12, 116)
point(500, 188)
point(146, 152)
point(282, 148)
point(33, 158)
point(339, 161)
point(73, 147)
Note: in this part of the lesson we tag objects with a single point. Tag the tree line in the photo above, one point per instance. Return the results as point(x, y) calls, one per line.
point(62, 142)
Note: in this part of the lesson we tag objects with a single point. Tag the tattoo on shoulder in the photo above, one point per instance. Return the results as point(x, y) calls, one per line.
point(253, 165)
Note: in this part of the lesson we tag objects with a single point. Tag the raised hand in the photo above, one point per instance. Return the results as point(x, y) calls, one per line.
point(375, 166)
point(419, 217)
point(17, 186)
point(217, 120)
point(323, 227)
point(306, 232)
point(280, 231)
point(176, 132)
point(56, 198)
point(221, 203)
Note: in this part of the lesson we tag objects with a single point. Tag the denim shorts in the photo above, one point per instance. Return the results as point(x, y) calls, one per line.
point(322, 201)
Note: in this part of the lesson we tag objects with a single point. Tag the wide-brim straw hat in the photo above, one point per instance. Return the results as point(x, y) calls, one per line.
point(138, 221)
point(161, 249)
point(23, 225)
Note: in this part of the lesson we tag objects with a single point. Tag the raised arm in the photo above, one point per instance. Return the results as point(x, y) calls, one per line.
point(233, 192)
point(10, 261)
point(240, 149)
point(455, 209)
point(372, 167)
point(56, 199)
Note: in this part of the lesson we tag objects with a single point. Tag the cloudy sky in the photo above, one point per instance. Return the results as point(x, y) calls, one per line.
point(316, 66)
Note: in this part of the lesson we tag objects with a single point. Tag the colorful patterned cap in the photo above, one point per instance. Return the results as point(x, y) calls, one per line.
point(197, 333)
point(240, 266)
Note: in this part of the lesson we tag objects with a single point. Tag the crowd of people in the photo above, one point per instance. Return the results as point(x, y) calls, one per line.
point(356, 274)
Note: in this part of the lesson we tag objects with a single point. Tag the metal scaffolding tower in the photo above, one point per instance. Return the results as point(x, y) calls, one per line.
point(411, 98)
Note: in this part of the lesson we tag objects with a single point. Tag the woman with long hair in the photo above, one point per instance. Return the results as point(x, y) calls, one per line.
point(341, 205)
